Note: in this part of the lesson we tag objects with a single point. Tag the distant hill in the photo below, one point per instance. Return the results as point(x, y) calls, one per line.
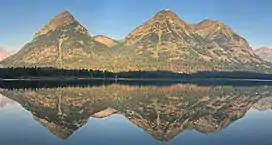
point(165, 42)
point(4, 53)
point(265, 53)
point(105, 40)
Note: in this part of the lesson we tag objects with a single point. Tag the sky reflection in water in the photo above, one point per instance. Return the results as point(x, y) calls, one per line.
point(148, 115)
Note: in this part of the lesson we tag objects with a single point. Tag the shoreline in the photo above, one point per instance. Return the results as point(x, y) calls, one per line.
point(136, 79)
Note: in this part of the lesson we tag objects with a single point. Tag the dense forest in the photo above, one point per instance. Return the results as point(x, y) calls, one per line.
point(39, 72)
point(23, 72)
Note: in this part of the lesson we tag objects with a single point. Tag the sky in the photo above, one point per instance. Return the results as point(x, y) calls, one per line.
point(20, 19)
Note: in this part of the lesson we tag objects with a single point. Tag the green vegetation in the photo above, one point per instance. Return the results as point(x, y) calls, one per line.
point(42, 72)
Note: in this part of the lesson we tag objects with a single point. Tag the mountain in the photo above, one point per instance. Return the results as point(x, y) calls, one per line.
point(62, 43)
point(164, 27)
point(164, 42)
point(4, 53)
point(265, 53)
point(105, 40)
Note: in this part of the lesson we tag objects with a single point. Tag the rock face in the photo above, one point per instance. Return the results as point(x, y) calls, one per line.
point(164, 111)
point(165, 42)
point(61, 20)
point(105, 40)
point(265, 53)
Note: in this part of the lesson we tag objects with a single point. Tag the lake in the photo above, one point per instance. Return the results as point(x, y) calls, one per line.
point(136, 113)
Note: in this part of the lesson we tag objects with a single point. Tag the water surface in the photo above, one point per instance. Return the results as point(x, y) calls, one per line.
point(126, 113)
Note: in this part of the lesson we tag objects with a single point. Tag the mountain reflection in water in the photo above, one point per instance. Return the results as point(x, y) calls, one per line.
point(162, 111)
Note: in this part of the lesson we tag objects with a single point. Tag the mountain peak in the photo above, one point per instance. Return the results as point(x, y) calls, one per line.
point(65, 12)
point(207, 23)
point(163, 28)
point(166, 13)
point(62, 19)
point(209, 27)
point(159, 22)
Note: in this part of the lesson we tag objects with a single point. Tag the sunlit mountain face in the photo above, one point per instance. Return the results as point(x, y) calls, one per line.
point(163, 112)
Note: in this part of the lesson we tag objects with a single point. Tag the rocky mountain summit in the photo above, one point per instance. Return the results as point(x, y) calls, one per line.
point(61, 20)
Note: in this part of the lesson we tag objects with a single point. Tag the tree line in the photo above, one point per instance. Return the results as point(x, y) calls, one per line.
point(27, 72)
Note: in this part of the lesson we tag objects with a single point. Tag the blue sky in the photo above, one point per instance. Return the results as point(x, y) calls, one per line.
point(20, 19)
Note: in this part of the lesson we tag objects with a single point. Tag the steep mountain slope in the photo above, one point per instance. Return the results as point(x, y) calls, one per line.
point(63, 43)
point(232, 46)
point(105, 40)
point(265, 53)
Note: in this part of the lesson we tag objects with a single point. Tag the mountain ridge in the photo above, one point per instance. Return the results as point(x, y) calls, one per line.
point(164, 42)
point(183, 46)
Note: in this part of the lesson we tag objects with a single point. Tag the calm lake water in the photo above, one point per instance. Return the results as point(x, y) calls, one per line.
point(135, 113)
